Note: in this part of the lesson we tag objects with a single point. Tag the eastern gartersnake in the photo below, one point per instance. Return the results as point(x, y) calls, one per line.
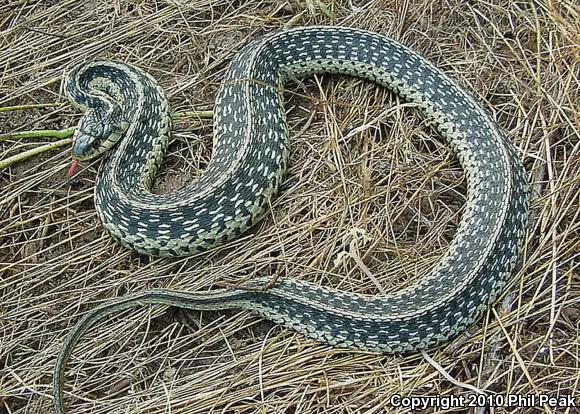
point(248, 163)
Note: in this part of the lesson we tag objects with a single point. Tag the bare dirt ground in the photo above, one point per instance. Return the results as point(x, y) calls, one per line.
point(382, 203)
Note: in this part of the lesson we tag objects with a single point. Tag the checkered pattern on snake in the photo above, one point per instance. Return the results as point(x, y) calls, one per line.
point(248, 163)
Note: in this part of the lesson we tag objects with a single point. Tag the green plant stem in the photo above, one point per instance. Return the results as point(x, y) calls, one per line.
point(39, 133)
point(34, 151)
point(193, 114)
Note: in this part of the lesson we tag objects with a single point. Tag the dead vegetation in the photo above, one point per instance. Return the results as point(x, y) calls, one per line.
point(370, 203)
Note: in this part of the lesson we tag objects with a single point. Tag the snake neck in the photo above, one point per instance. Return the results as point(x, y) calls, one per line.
point(131, 168)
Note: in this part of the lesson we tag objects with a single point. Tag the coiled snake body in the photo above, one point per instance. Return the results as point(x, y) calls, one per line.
point(247, 165)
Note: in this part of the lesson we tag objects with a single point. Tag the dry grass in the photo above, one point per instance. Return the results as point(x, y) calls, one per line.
point(394, 180)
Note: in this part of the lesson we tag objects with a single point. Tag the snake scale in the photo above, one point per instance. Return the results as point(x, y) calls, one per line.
point(248, 162)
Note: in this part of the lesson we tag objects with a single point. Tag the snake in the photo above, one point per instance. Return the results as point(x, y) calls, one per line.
point(127, 120)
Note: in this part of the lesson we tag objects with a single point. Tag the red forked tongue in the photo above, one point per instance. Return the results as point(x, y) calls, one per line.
point(73, 167)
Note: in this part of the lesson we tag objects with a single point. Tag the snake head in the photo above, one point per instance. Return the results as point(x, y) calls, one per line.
point(97, 131)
